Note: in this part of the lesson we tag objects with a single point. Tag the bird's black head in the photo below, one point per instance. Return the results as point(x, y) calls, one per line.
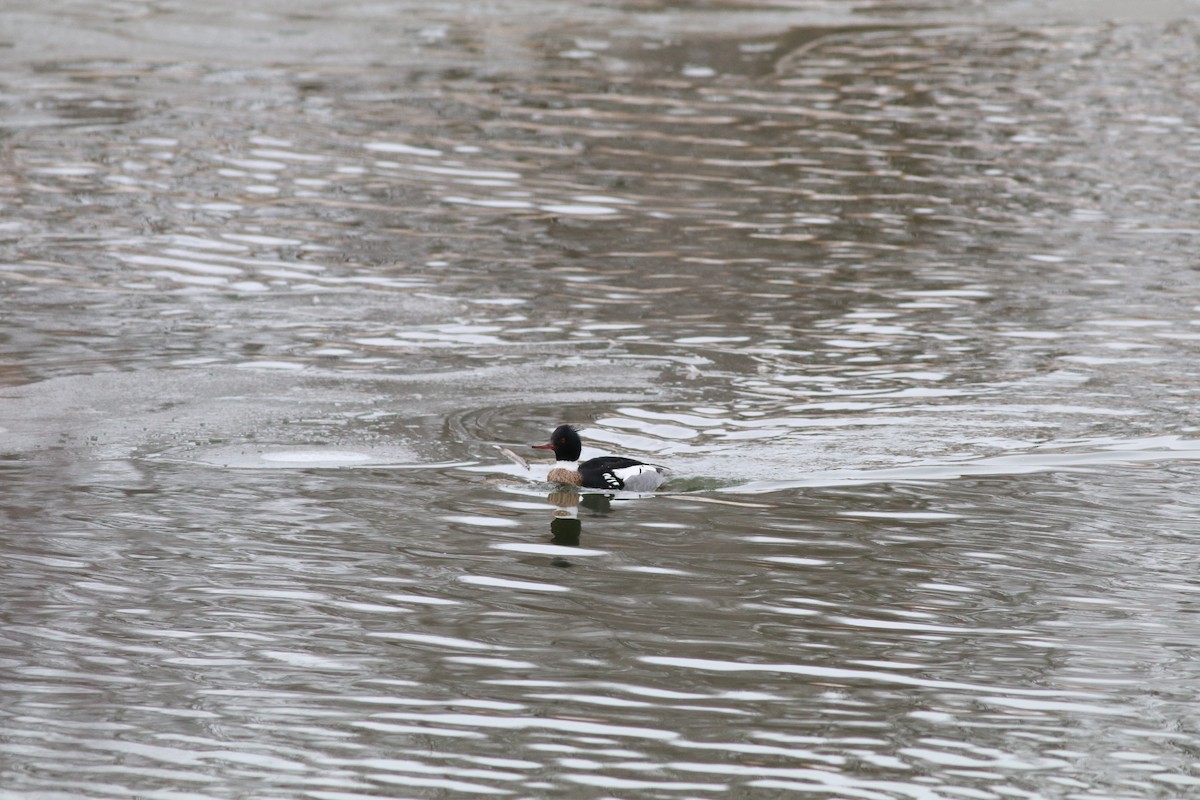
point(564, 442)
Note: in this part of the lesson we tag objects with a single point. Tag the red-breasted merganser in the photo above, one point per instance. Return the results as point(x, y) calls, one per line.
point(606, 472)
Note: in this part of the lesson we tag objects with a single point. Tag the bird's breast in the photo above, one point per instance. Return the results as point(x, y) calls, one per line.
point(568, 476)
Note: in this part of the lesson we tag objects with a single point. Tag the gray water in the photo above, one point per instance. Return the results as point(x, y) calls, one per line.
point(905, 297)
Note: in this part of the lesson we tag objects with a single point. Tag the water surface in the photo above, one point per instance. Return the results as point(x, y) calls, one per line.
point(905, 297)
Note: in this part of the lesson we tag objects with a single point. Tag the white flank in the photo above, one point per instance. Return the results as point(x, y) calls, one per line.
point(641, 478)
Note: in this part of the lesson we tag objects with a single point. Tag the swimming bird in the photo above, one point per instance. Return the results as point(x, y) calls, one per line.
point(606, 472)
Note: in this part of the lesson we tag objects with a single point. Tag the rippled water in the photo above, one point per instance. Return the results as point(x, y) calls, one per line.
point(904, 296)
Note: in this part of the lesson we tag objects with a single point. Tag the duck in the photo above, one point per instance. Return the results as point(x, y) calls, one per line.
point(614, 473)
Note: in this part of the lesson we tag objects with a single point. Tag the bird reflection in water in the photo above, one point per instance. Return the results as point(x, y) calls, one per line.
point(566, 527)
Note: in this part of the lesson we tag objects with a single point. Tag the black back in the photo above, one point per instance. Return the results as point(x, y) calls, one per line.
point(598, 473)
